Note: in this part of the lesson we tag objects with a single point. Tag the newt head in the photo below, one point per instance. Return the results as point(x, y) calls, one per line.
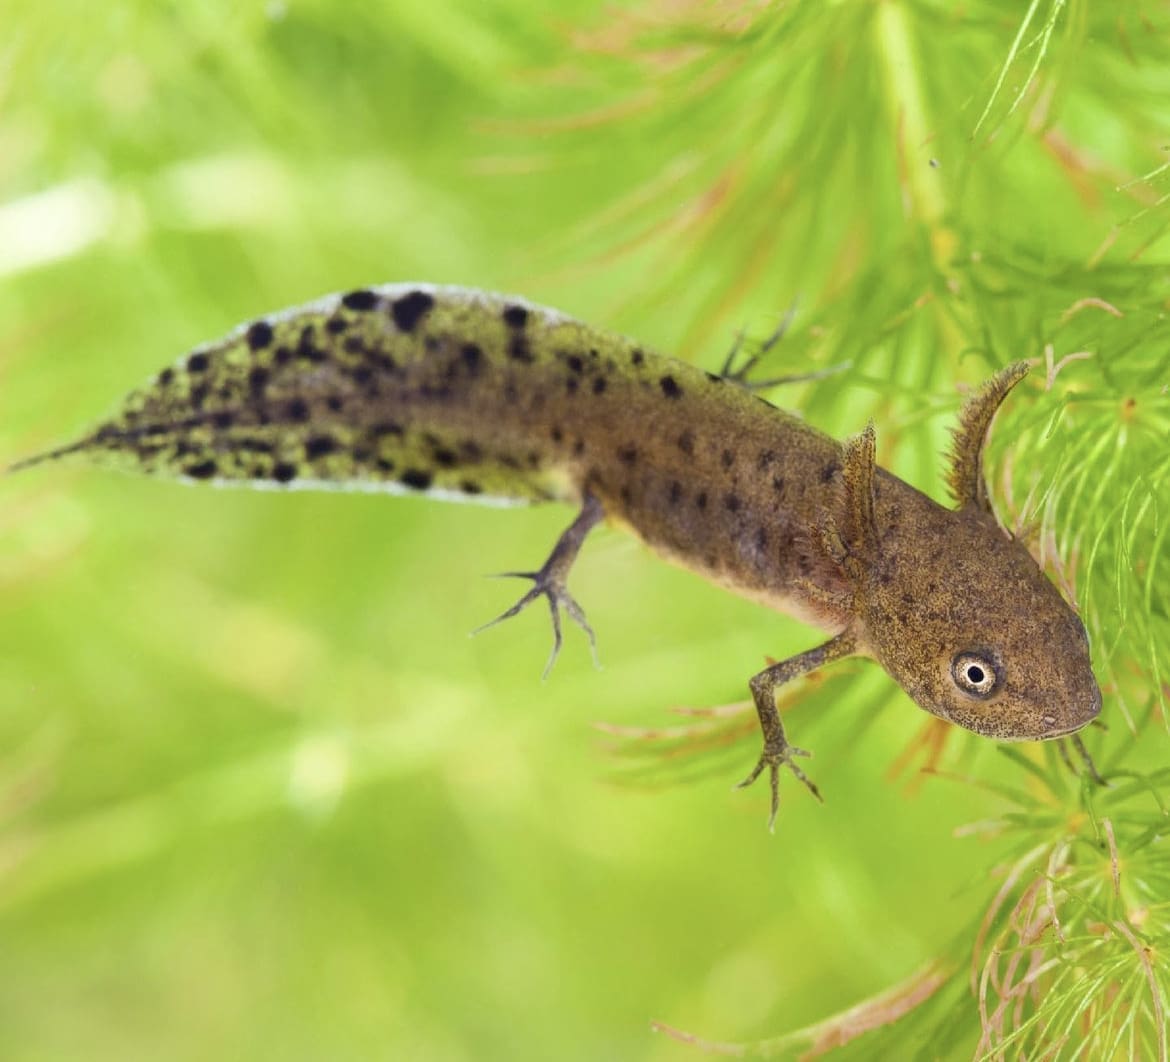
point(967, 623)
point(956, 609)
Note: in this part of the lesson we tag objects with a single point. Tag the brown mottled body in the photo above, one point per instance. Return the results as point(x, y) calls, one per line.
point(480, 397)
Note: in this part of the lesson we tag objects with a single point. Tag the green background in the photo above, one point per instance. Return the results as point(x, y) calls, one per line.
point(262, 797)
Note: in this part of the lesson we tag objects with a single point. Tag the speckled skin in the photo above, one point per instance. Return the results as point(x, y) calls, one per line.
point(481, 397)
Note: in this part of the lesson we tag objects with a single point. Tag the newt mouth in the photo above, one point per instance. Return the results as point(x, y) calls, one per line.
point(1079, 723)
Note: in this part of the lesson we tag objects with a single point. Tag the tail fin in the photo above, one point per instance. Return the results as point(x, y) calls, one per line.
point(46, 456)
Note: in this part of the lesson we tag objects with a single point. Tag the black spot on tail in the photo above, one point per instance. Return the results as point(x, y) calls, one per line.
point(515, 316)
point(472, 357)
point(283, 472)
point(198, 363)
point(319, 446)
point(259, 335)
point(416, 478)
point(407, 310)
point(203, 470)
point(670, 387)
point(359, 300)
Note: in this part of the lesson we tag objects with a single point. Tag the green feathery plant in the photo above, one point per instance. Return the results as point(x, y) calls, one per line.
point(943, 187)
point(1000, 215)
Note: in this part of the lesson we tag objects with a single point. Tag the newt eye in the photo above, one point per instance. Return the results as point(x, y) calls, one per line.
point(975, 673)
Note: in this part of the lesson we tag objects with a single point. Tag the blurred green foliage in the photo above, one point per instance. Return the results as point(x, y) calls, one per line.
point(259, 795)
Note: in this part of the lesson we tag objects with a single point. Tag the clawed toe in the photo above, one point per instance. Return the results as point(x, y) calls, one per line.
point(548, 586)
point(773, 759)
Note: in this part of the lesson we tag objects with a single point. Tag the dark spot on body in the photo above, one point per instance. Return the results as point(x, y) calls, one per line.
point(283, 472)
point(515, 316)
point(732, 502)
point(259, 335)
point(258, 378)
point(223, 419)
point(670, 387)
point(198, 363)
point(508, 461)
point(578, 447)
point(626, 495)
point(336, 325)
point(445, 458)
point(829, 471)
point(727, 458)
point(282, 355)
point(628, 454)
point(360, 301)
point(203, 470)
point(701, 499)
point(571, 385)
point(556, 434)
point(165, 377)
point(199, 394)
point(636, 356)
point(407, 310)
point(362, 375)
point(307, 347)
point(386, 427)
point(778, 484)
point(762, 539)
point(675, 492)
point(686, 443)
point(298, 411)
point(416, 479)
point(472, 357)
point(599, 385)
point(519, 350)
point(319, 446)
point(384, 464)
point(354, 344)
point(575, 363)
point(335, 403)
point(470, 487)
point(765, 459)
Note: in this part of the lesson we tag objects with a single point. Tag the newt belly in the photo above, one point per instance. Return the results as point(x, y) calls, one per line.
point(470, 396)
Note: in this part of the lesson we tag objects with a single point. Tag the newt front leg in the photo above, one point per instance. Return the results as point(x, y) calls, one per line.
point(778, 751)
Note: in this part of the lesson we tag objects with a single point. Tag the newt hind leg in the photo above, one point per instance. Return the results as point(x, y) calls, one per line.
point(550, 582)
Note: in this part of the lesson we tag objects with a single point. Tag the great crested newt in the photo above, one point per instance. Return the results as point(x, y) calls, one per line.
point(459, 394)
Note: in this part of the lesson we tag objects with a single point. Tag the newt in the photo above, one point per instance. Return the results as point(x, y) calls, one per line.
point(469, 396)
